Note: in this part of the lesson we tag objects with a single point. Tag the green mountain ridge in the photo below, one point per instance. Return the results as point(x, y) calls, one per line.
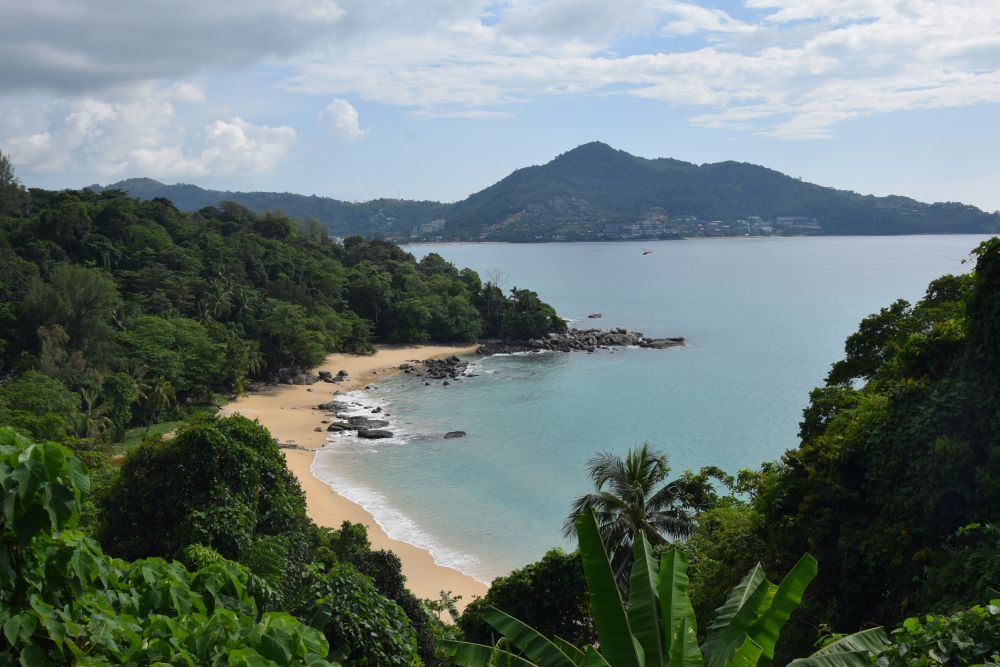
point(595, 192)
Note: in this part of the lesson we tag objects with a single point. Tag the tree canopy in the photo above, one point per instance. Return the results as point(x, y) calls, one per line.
point(98, 284)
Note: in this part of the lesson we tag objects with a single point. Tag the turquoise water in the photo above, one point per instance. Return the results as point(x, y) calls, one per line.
point(764, 319)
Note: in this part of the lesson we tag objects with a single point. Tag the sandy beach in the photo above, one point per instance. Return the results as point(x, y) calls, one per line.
point(288, 411)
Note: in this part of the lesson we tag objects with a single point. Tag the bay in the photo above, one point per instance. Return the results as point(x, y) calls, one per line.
point(764, 319)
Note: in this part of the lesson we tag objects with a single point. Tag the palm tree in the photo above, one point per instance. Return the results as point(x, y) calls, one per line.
point(161, 396)
point(632, 497)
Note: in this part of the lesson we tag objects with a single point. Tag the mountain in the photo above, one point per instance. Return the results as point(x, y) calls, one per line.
point(388, 218)
point(597, 192)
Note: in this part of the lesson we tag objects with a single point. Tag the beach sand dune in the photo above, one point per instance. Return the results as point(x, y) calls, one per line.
point(288, 411)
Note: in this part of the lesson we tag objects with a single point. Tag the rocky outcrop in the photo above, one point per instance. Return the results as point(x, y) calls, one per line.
point(365, 422)
point(373, 433)
point(585, 340)
point(333, 406)
point(337, 427)
point(294, 375)
point(661, 343)
point(436, 369)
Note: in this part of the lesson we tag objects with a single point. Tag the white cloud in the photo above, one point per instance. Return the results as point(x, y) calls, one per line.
point(786, 68)
point(340, 118)
point(795, 70)
point(689, 18)
point(74, 46)
point(108, 140)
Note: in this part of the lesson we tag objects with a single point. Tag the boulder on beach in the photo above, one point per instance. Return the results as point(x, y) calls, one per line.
point(337, 427)
point(373, 433)
point(365, 422)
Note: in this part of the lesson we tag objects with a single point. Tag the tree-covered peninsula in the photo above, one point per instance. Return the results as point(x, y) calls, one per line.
point(116, 313)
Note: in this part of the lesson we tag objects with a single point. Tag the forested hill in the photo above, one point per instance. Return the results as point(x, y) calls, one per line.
point(106, 300)
point(382, 218)
point(595, 192)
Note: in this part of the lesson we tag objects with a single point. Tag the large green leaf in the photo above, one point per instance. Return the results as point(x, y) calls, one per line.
point(610, 619)
point(643, 607)
point(872, 640)
point(465, 654)
point(727, 633)
point(571, 652)
point(680, 629)
point(531, 642)
point(850, 651)
point(787, 598)
point(841, 659)
point(746, 655)
point(594, 659)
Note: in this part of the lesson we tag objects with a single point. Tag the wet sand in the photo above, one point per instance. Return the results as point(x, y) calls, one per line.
point(288, 411)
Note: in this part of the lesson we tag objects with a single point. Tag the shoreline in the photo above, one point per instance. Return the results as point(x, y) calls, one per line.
point(288, 412)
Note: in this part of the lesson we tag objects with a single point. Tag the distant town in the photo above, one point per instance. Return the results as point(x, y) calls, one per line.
point(655, 224)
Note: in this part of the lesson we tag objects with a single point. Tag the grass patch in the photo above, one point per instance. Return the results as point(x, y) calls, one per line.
point(135, 436)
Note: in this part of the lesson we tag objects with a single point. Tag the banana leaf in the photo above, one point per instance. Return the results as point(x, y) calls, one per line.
point(850, 651)
point(594, 659)
point(842, 659)
point(643, 607)
point(610, 618)
point(680, 629)
point(728, 631)
point(465, 654)
point(746, 655)
point(787, 598)
point(532, 643)
point(570, 651)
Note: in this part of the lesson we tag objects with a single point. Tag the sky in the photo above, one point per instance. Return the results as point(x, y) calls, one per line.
point(437, 99)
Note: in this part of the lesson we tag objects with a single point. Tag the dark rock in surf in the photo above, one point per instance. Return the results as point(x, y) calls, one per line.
point(373, 433)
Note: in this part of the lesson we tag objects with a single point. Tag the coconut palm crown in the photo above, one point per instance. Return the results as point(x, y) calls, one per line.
point(631, 497)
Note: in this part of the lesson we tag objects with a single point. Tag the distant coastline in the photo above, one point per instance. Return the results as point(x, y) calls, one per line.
point(596, 193)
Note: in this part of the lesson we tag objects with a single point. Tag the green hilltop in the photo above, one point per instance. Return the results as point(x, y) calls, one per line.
point(595, 192)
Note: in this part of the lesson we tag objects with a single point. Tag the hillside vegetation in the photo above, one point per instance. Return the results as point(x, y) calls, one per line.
point(588, 192)
point(196, 548)
point(116, 312)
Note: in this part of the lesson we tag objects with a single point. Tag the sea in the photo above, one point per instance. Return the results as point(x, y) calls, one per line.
point(764, 319)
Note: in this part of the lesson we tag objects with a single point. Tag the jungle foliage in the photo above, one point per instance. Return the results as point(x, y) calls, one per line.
point(895, 487)
point(657, 627)
point(117, 313)
point(63, 601)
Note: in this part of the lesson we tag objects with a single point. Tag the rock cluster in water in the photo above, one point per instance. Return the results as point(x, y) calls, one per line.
point(365, 427)
point(583, 340)
point(436, 369)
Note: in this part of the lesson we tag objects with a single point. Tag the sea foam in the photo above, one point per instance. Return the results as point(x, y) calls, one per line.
point(396, 524)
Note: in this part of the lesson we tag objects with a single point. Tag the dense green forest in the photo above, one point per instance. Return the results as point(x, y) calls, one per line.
point(116, 312)
point(196, 548)
point(575, 195)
